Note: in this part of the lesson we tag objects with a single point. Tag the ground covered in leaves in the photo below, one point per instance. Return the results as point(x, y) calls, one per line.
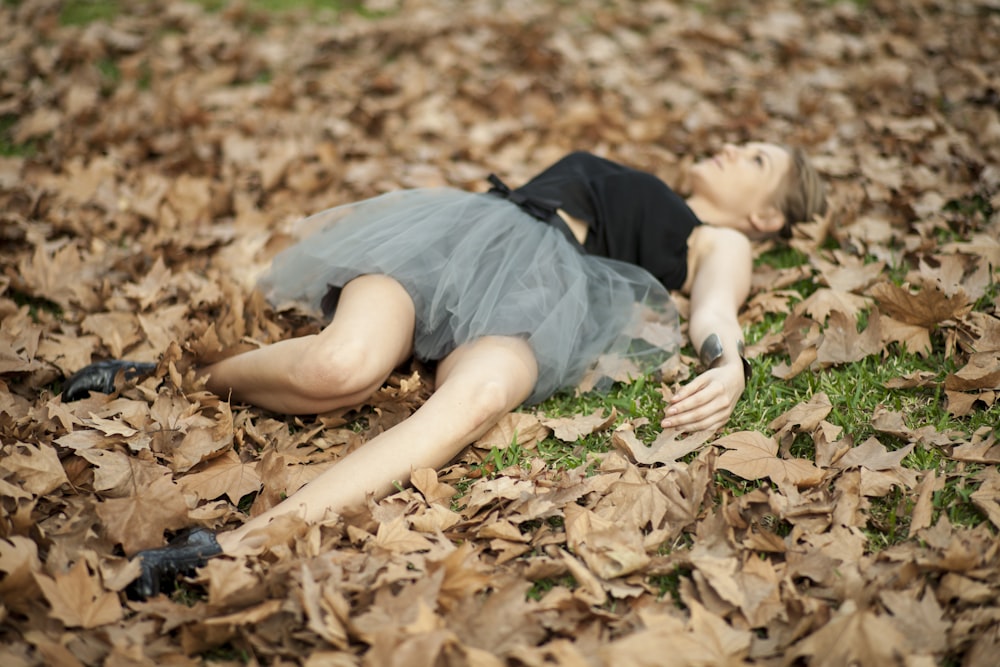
point(153, 161)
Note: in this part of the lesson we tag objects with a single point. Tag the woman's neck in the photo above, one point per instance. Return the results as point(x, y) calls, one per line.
point(709, 213)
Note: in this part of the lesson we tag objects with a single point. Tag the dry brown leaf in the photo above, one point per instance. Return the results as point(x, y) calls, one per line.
point(873, 455)
point(804, 417)
point(987, 496)
point(853, 636)
point(926, 308)
point(610, 549)
point(519, 427)
point(981, 372)
point(665, 448)
point(78, 599)
point(570, 429)
point(842, 344)
point(36, 468)
point(172, 149)
point(752, 455)
point(824, 301)
point(921, 621)
point(223, 475)
point(923, 510)
point(426, 481)
point(18, 563)
point(396, 537)
point(138, 521)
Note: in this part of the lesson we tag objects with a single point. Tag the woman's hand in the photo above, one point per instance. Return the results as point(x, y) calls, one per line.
point(706, 402)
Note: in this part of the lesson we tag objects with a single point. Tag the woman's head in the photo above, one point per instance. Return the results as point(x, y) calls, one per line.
point(761, 189)
point(802, 194)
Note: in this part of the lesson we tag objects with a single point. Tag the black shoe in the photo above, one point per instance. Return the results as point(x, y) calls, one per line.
point(181, 556)
point(100, 377)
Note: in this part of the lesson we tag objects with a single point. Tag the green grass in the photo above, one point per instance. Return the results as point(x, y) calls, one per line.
point(315, 7)
point(8, 147)
point(39, 308)
point(856, 390)
point(82, 12)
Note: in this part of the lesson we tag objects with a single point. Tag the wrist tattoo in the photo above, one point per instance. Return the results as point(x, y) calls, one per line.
point(711, 352)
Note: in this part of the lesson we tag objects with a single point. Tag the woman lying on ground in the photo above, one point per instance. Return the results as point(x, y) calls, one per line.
point(515, 294)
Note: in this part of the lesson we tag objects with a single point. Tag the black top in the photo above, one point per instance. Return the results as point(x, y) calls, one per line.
point(631, 215)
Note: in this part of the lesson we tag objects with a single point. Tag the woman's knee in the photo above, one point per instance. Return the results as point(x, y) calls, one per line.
point(490, 401)
point(346, 368)
point(492, 375)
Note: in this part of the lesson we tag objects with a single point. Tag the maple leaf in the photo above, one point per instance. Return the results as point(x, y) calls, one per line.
point(921, 621)
point(138, 521)
point(201, 444)
point(149, 289)
point(987, 496)
point(848, 273)
point(18, 563)
point(117, 475)
point(56, 276)
point(464, 575)
point(78, 599)
point(824, 301)
point(396, 537)
point(610, 549)
point(843, 344)
point(981, 372)
point(118, 331)
point(873, 455)
point(853, 636)
point(666, 447)
point(37, 468)
point(426, 481)
point(327, 611)
point(570, 429)
point(804, 417)
point(752, 455)
point(519, 427)
point(224, 475)
point(979, 450)
point(915, 339)
point(19, 342)
point(926, 308)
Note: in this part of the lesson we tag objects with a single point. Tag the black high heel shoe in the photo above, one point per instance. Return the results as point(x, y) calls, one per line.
point(160, 567)
point(100, 376)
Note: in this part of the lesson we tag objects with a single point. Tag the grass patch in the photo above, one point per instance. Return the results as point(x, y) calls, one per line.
point(8, 147)
point(82, 12)
point(39, 308)
point(311, 6)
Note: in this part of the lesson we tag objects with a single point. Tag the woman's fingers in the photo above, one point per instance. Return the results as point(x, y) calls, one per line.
point(705, 402)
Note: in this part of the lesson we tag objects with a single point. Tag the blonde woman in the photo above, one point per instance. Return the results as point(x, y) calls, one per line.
point(514, 294)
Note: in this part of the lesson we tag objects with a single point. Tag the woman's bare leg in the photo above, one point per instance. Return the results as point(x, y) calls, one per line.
point(477, 384)
point(371, 333)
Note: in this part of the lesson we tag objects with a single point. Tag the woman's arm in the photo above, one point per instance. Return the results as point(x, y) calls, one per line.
point(719, 266)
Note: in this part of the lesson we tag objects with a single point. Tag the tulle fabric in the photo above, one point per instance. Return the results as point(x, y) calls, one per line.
point(477, 265)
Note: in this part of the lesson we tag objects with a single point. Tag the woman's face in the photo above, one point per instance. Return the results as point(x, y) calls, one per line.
point(741, 181)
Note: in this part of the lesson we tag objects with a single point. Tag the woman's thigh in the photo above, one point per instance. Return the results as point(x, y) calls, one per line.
point(375, 316)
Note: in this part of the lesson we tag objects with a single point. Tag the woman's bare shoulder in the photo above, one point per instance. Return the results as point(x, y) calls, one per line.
point(706, 240)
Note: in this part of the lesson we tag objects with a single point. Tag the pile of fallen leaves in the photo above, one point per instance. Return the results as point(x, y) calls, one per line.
point(156, 162)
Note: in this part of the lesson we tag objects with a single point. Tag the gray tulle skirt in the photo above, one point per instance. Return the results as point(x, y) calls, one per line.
point(477, 265)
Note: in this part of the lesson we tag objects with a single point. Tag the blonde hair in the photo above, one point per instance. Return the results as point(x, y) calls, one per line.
point(801, 194)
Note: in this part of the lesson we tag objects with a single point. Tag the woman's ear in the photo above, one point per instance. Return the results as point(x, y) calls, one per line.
point(768, 221)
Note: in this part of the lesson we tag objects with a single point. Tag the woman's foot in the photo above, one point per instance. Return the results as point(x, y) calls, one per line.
point(100, 377)
point(160, 567)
